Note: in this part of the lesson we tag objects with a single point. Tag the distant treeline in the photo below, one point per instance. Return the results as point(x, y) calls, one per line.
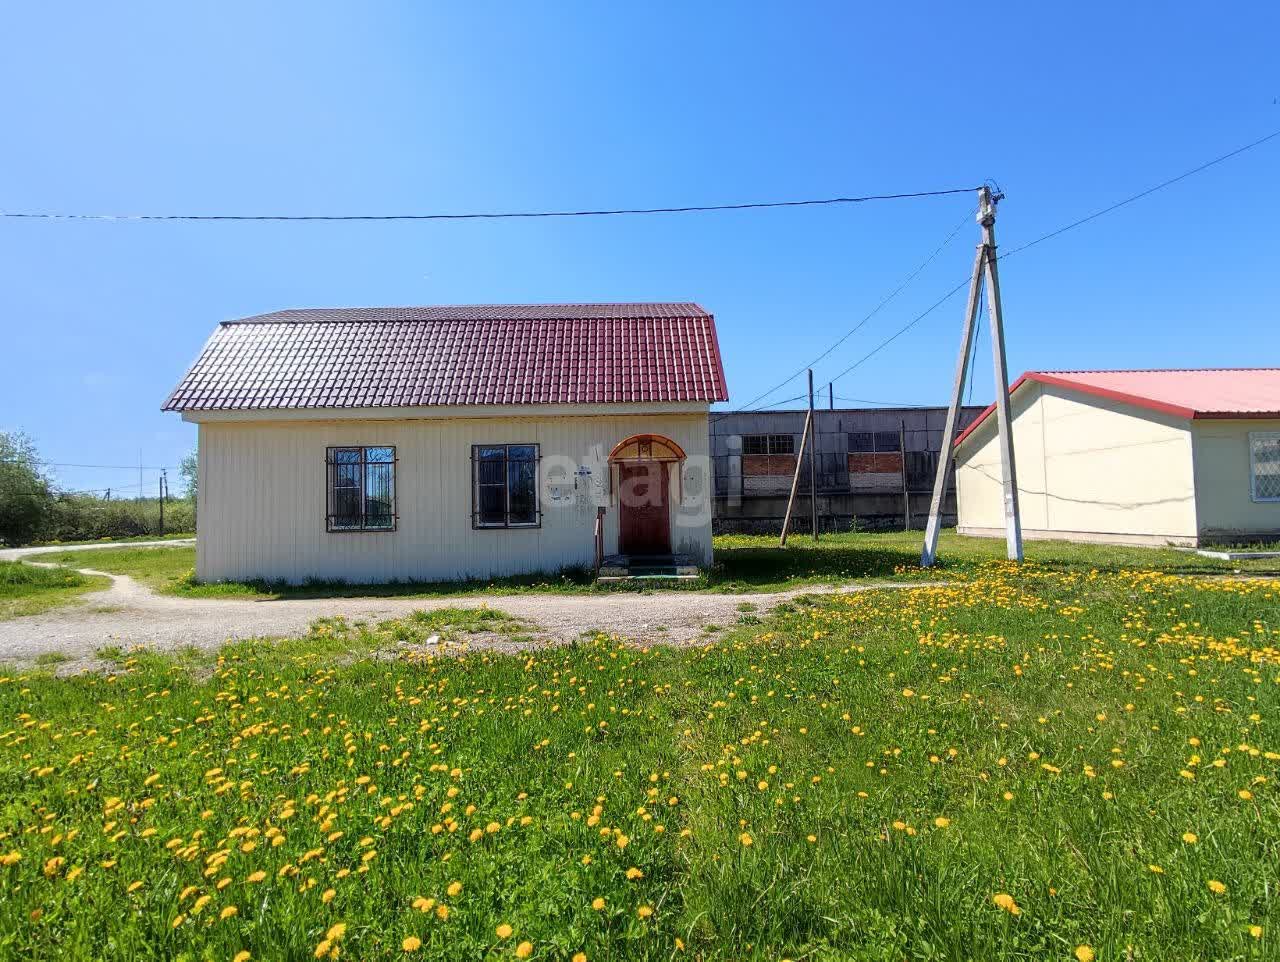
point(79, 517)
point(32, 508)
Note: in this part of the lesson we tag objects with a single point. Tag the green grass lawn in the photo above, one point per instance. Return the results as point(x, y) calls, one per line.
point(1049, 762)
point(743, 563)
point(28, 590)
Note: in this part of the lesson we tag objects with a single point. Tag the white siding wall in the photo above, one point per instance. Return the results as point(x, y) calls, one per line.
point(1087, 467)
point(263, 501)
point(1224, 491)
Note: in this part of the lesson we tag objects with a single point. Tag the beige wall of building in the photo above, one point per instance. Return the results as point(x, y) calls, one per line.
point(1088, 468)
point(263, 492)
point(1224, 485)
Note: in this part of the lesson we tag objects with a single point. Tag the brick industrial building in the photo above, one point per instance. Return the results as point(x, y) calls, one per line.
point(875, 466)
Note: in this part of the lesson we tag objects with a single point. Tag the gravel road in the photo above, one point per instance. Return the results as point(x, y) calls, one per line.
point(129, 613)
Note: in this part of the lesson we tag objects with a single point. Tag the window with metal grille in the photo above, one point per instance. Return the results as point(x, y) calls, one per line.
point(504, 486)
point(768, 444)
point(861, 442)
point(361, 489)
point(887, 441)
point(1264, 462)
point(874, 442)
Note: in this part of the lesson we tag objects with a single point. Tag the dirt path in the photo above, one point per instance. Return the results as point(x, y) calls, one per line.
point(129, 613)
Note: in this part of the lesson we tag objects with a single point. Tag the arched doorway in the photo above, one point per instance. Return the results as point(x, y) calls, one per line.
point(642, 467)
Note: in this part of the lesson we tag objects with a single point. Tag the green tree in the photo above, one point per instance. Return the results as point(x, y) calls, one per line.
point(26, 495)
point(189, 471)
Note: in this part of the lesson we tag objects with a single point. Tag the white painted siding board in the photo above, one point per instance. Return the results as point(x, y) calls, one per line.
point(263, 498)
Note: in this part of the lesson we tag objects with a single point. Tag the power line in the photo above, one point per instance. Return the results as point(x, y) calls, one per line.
point(112, 467)
point(1138, 196)
point(506, 215)
point(1055, 233)
point(862, 323)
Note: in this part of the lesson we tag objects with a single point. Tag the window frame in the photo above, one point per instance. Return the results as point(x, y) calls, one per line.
point(892, 442)
point(507, 460)
point(769, 444)
point(331, 465)
point(1253, 466)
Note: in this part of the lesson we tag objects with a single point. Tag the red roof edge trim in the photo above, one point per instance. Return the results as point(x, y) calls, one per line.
point(722, 383)
point(1137, 401)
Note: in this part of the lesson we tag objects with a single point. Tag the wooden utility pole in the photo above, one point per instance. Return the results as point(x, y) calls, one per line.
point(160, 487)
point(906, 491)
point(795, 479)
point(831, 396)
point(984, 264)
point(1008, 470)
point(813, 462)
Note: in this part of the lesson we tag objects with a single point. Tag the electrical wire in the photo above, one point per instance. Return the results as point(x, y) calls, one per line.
point(1052, 234)
point(1138, 196)
point(862, 323)
point(505, 215)
point(105, 467)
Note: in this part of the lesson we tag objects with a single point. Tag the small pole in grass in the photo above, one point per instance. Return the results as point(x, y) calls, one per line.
point(813, 462)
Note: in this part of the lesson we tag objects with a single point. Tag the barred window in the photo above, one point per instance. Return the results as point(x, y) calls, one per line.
point(874, 442)
point(861, 442)
point(1264, 462)
point(768, 444)
point(504, 486)
point(361, 489)
point(888, 441)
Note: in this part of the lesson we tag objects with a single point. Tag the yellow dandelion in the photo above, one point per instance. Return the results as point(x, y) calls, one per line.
point(942, 821)
point(1216, 887)
point(1084, 953)
point(504, 931)
point(327, 896)
point(644, 911)
point(256, 877)
point(524, 950)
point(227, 913)
point(411, 943)
point(597, 903)
point(1005, 901)
point(1190, 838)
point(634, 873)
point(336, 931)
point(746, 839)
point(455, 888)
point(241, 956)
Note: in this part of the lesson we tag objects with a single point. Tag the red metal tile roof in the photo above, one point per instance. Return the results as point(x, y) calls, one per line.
point(1189, 393)
point(457, 355)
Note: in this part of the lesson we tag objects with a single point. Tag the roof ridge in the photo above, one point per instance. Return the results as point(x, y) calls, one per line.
point(1145, 370)
point(544, 311)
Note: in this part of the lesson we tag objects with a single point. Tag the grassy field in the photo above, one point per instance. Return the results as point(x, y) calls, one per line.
point(28, 590)
point(743, 563)
point(1049, 762)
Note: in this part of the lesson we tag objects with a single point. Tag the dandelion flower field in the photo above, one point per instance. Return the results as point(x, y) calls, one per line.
point(1022, 763)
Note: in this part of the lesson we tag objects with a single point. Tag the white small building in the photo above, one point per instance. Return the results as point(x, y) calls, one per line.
point(441, 443)
point(1182, 457)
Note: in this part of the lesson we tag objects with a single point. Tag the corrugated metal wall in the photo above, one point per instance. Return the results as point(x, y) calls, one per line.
point(746, 503)
point(263, 497)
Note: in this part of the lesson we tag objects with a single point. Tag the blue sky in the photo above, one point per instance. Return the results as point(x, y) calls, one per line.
point(386, 108)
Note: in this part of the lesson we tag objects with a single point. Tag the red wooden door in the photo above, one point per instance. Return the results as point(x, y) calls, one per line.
point(644, 519)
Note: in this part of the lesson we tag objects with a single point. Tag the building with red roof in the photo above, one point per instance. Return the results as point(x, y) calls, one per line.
point(451, 442)
point(1184, 457)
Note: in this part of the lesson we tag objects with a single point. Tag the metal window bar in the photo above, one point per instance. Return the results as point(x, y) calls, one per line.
point(503, 518)
point(361, 488)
